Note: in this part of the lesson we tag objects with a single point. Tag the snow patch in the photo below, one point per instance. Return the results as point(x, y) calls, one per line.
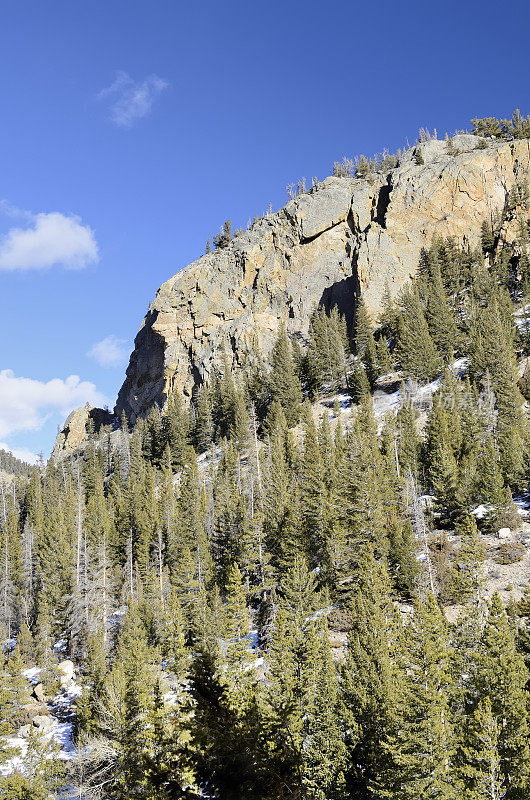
point(482, 510)
point(32, 674)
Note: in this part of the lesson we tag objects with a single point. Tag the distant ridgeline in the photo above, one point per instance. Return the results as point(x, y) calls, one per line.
point(12, 465)
point(293, 568)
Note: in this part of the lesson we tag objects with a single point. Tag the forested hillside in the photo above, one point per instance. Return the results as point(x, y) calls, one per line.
point(10, 465)
point(284, 590)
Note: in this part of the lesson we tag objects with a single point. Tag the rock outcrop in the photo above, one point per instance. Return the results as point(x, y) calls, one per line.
point(76, 427)
point(346, 236)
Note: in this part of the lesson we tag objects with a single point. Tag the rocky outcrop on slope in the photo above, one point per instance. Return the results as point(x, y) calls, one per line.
point(76, 427)
point(346, 236)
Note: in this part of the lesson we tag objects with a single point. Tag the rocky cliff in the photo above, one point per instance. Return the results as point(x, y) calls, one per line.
point(346, 236)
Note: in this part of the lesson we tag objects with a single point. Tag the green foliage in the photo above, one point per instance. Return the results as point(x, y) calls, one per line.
point(479, 760)
point(518, 127)
point(284, 382)
point(327, 350)
point(247, 598)
point(468, 578)
point(416, 349)
point(223, 239)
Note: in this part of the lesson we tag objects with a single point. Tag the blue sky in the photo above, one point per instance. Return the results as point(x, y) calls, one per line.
point(131, 130)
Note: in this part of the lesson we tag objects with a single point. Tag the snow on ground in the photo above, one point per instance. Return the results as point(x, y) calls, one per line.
point(320, 613)
point(32, 674)
point(62, 712)
point(62, 708)
point(522, 502)
point(421, 396)
point(252, 640)
point(482, 510)
point(16, 761)
point(62, 733)
point(384, 403)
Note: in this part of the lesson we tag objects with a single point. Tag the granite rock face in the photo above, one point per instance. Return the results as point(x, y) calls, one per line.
point(76, 427)
point(345, 237)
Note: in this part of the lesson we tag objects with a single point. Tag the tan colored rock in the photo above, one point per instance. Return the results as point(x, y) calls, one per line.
point(66, 671)
point(38, 693)
point(74, 431)
point(42, 723)
point(344, 237)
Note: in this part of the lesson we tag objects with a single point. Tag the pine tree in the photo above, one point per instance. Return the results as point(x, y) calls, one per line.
point(313, 504)
point(284, 383)
point(402, 557)
point(324, 753)
point(138, 704)
point(26, 645)
point(467, 574)
point(281, 502)
point(372, 686)
point(407, 440)
point(478, 757)
point(237, 619)
point(174, 430)
point(203, 434)
point(421, 747)
point(439, 315)
point(502, 676)
point(415, 347)
point(441, 463)
point(364, 342)
point(486, 236)
point(172, 636)
point(360, 385)
point(384, 360)
point(490, 484)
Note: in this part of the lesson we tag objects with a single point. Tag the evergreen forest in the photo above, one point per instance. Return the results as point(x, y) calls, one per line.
point(285, 590)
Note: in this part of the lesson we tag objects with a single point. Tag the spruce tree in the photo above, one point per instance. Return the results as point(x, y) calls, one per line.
point(415, 347)
point(421, 747)
point(313, 502)
point(283, 380)
point(502, 676)
point(467, 574)
point(478, 757)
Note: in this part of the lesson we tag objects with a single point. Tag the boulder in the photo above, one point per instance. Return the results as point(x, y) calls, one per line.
point(66, 671)
point(35, 708)
point(504, 533)
point(38, 693)
point(338, 639)
point(24, 731)
point(42, 723)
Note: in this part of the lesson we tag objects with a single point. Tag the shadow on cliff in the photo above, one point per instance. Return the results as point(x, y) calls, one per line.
point(144, 383)
point(343, 296)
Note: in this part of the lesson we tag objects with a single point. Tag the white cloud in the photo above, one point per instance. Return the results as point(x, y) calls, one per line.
point(53, 238)
point(110, 351)
point(130, 100)
point(9, 210)
point(26, 404)
point(21, 453)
